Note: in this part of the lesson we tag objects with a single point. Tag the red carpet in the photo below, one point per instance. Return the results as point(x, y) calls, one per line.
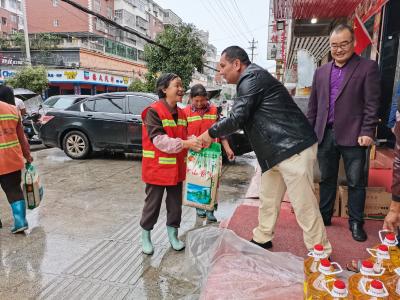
point(289, 236)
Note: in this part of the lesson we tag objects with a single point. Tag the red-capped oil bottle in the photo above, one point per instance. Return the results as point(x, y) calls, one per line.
point(320, 282)
point(338, 291)
point(380, 257)
point(367, 284)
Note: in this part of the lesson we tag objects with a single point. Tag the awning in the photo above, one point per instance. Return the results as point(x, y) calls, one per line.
point(317, 46)
point(307, 9)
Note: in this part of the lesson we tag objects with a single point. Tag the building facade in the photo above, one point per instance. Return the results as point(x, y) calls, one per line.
point(11, 20)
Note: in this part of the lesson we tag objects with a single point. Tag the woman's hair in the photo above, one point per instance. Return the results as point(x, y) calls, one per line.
point(7, 94)
point(198, 90)
point(163, 82)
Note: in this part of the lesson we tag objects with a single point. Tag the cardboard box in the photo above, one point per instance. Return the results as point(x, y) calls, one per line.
point(336, 207)
point(377, 202)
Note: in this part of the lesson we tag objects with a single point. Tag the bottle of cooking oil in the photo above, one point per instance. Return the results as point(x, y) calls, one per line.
point(320, 282)
point(366, 284)
point(393, 285)
point(312, 262)
point(380, 257)
point(389, 239)
point(338, 291)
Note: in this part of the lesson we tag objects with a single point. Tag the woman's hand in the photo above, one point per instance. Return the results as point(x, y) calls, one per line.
point(192, 143)
point(29, 158)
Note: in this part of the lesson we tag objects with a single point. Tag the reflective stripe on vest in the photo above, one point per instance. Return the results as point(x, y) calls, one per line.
point(171, 123)
point(194, 118)
point(167, 160)
point(9, 144)
point(8, 117)
point(148, 153)
point(209, 117)
point(182, 122)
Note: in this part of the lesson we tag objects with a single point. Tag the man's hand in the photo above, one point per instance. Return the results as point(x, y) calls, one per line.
point(206, 139)
point(391, 221)
point(365, 141)
point(230, 154)
point(29, 159)
point(192, 143)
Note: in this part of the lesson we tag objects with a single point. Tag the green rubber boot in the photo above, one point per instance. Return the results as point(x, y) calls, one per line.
point(176, 244)
point(19, 213)
point(147, 246)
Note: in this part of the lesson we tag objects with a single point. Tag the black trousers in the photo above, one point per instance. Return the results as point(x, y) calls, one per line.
point(152, 205)
point(11, 185)
point(354, 159)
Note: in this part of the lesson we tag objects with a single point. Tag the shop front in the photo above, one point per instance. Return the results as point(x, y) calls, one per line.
point(78, 82)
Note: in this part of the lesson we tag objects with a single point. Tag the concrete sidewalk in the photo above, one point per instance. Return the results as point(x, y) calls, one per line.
point(84, 242)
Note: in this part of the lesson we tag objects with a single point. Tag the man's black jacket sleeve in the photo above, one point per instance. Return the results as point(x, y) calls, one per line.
point(249, 96)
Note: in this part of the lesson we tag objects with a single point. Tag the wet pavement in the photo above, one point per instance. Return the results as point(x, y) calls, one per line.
point(84, 239)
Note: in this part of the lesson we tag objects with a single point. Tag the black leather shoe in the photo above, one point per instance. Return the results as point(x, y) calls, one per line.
point(1, 225)
point(358, 233)
point(266, 245)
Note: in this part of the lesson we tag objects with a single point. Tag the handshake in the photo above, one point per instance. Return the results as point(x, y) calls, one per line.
point(197, 143)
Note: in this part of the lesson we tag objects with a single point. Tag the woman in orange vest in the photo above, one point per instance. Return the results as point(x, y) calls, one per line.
point(165, 144)
point(13, 149)
point(201, 115)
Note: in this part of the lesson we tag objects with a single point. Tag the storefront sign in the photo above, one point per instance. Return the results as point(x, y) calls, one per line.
point(8, 61)
point(4, 74)
point(277, 38)
point(76, 76)
point(89, 77)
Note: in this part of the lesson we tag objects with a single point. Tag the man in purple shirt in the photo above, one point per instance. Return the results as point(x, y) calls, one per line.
point(343, 109)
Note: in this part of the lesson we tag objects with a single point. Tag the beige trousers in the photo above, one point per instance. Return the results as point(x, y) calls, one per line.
point(295, 175)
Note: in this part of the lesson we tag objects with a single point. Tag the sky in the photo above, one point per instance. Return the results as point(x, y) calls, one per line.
point(229, 22)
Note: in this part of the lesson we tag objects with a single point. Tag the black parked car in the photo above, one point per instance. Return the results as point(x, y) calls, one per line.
point(110, 122)
point(103, 122)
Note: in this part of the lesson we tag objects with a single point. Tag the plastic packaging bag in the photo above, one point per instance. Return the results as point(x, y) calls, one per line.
point(202, 177)
point(226, 266)
point(33, 190)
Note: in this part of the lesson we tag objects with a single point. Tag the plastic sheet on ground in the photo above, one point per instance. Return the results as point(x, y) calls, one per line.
point(226, 266)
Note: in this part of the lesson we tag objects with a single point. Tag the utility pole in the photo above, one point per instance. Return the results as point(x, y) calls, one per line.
point(252, 48)
point(26, 36)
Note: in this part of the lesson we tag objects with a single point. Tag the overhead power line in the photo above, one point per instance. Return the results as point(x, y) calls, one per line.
point(107, 20)
point(241, 16)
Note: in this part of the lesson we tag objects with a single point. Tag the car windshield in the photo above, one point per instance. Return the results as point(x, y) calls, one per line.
point(59, 102)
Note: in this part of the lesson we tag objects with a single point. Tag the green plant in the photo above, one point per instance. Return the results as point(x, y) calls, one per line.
point(184, 57)
point(31, 78)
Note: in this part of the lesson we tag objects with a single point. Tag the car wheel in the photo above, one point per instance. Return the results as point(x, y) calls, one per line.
point(76, 145)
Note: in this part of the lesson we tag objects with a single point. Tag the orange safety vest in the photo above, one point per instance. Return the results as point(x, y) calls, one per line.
point(198, 124)
point(11, 157)
point(158, 167)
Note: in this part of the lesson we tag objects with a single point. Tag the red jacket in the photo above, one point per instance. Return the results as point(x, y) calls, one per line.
point(158, 167)
point(198, 124)
point(11, 157)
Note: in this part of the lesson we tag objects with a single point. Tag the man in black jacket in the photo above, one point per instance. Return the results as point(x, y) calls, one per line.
point(284, 142)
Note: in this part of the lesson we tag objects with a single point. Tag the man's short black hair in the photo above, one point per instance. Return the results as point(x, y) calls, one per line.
point(235, 52)
point(341, 27)
point(7, 94)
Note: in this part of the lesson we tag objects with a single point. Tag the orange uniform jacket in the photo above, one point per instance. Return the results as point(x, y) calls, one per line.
point(158, 167)
point(11, 157)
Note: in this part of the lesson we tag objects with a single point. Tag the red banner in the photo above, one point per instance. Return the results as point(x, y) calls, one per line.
point(374, 9)
point(362, 38)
